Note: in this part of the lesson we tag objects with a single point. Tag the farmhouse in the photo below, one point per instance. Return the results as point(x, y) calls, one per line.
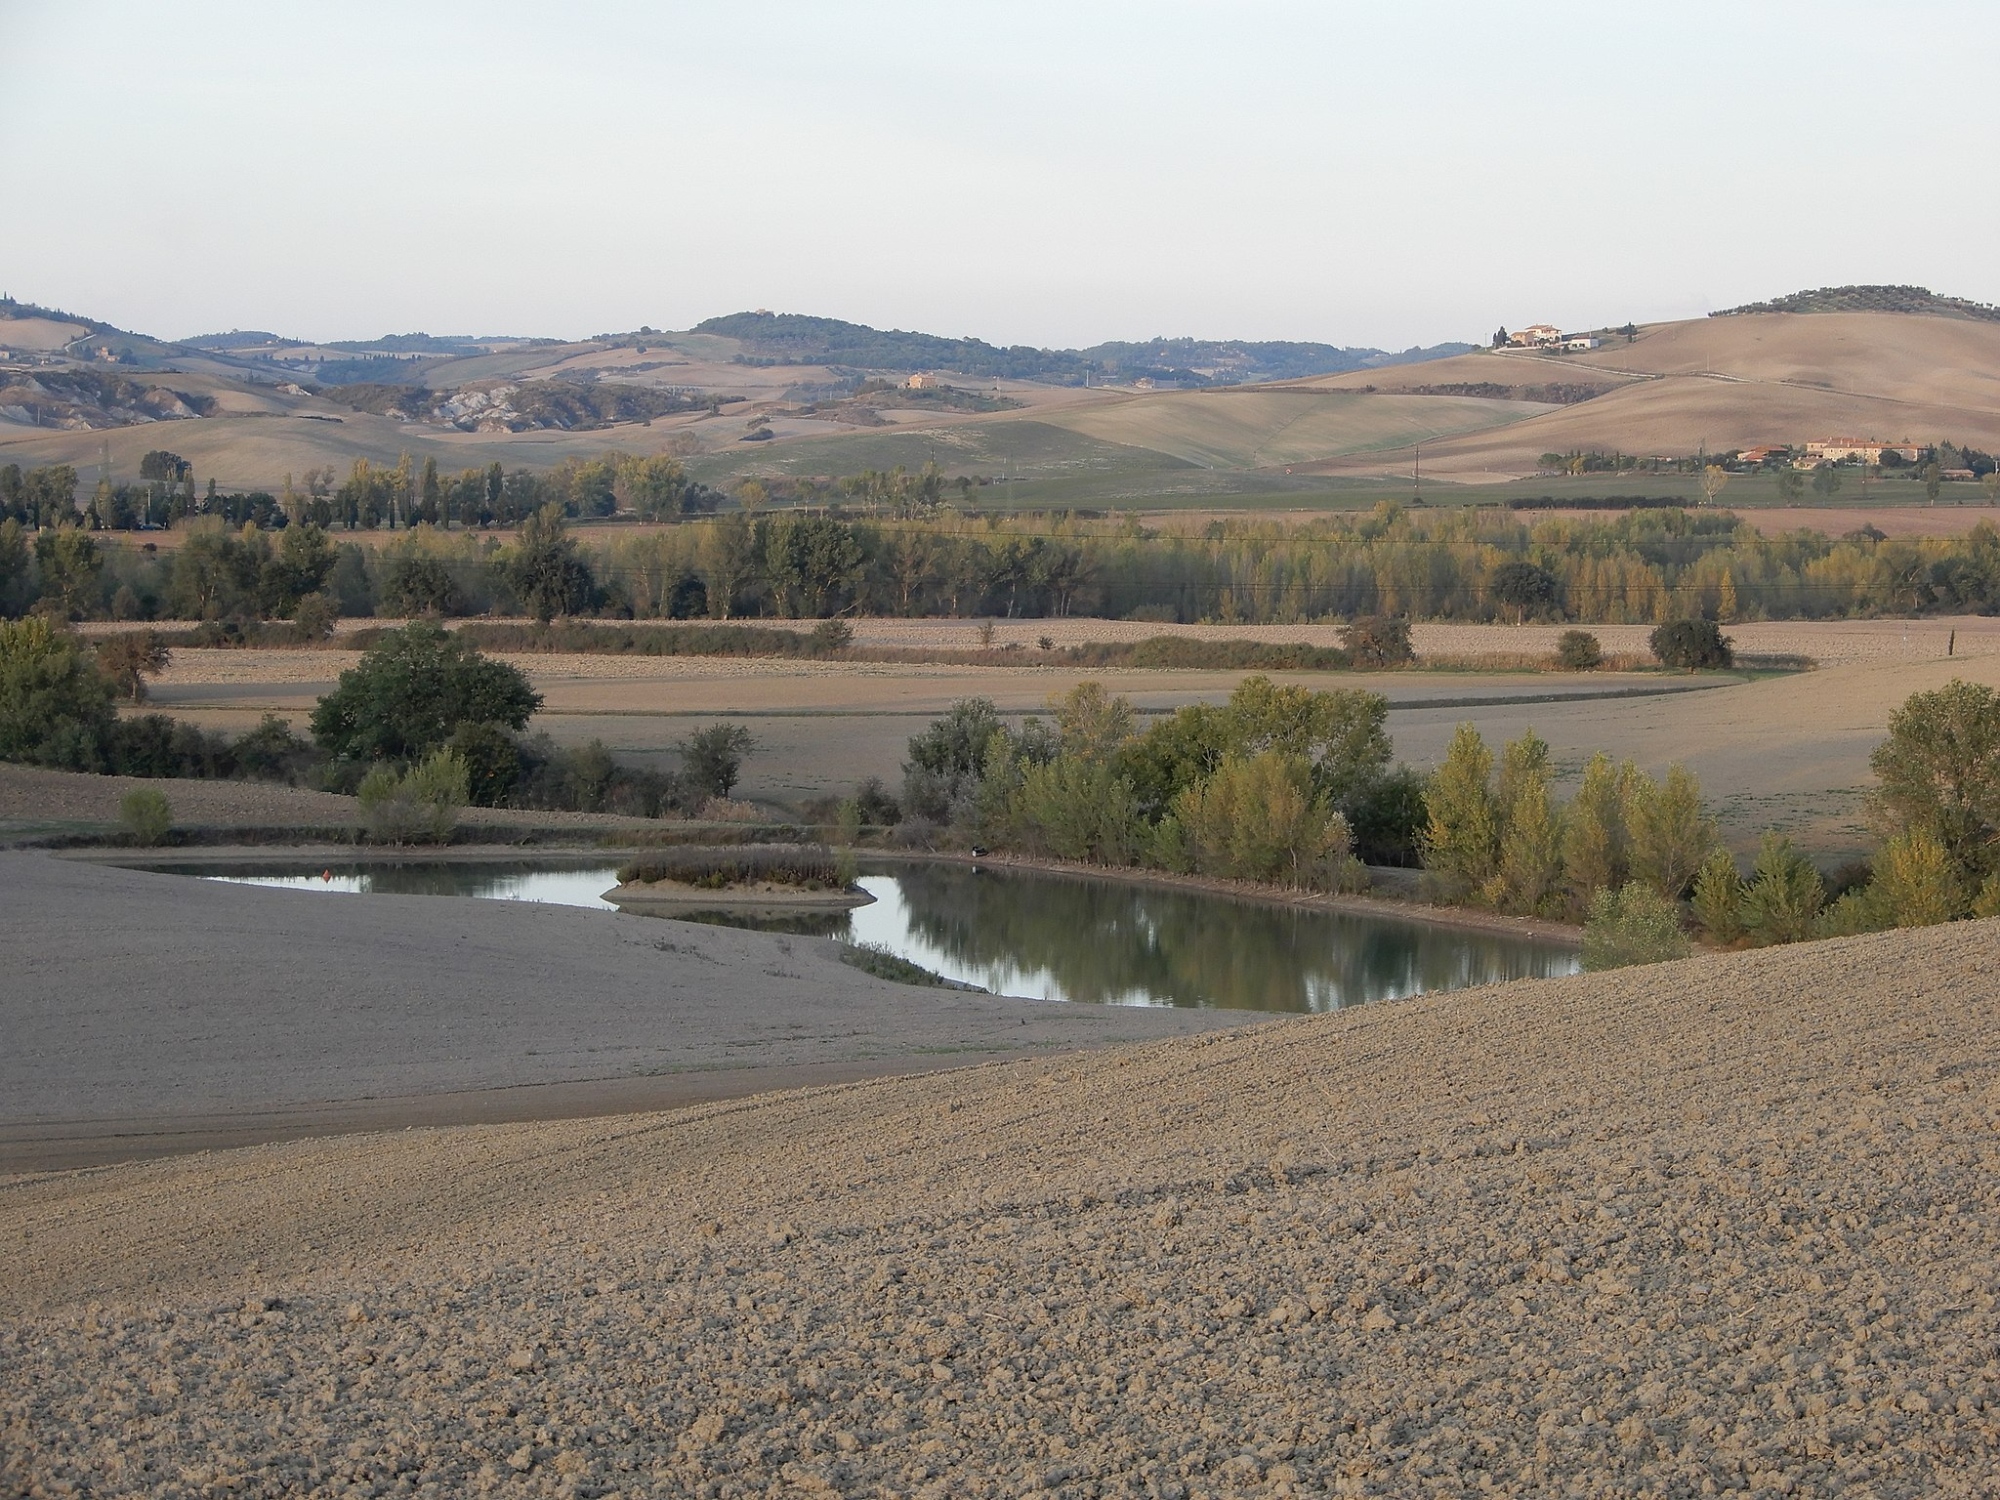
point(1862, 450)
point(921, 381)
point(1535, 336)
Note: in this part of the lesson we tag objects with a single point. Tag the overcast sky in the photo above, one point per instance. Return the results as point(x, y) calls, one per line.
point(1361, 173)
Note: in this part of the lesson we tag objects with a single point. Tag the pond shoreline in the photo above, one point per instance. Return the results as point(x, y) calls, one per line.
point(1393, 908)
point(1461, 918)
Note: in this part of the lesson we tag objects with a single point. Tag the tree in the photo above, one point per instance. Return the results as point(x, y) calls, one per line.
point(70, 564)
point(1933, 473)
point(811, 562)
point(1530, 865)
point(1091, 722)
point(1917, 883)
point(1825, 481)
point(411, 692)
point(712, 758)
point(129, 658)
point(1669, 830)
point(305, 560)
point(1078, 808)
point(1939, 772)
point(1711, 479)
point(1791, 485)
point(1525, 588)
point(1783, 896)
point(419, 584)
point(1261, 819)
point(1461, 837)
point(1691, 645)
point(948, 758)
point(1595, 854)
point(545, 571)
point(55, 705)
point(1718, 898)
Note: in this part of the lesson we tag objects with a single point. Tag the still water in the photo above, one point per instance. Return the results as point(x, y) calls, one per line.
point(1053, 937)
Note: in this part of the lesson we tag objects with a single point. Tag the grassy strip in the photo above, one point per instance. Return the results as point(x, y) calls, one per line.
point(1166, 651)
point(885, 965)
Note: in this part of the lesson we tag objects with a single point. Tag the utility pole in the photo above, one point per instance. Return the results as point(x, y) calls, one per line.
point(1419, 474)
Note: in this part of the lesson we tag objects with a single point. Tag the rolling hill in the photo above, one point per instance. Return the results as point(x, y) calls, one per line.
point(249, 408)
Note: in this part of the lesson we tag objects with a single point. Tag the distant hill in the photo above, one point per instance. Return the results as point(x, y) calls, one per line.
point(1892, 299)
point(793, 338)
point(237, 338)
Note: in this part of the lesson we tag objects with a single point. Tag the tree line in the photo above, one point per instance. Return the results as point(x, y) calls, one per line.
point(1651, 566)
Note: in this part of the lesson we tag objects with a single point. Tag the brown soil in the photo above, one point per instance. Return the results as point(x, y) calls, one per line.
point(1722, 1225)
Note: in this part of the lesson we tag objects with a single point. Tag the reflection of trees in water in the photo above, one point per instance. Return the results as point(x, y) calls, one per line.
point(1105, 941)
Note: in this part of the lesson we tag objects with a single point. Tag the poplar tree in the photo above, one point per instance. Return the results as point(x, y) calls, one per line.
point(1529, 876)
point(1461, 837)
point(1594, 851)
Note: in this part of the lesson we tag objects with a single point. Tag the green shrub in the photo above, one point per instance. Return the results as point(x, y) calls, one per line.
point(1634, 925)
point(1691, 645)
point(420, 806)
point(1718, 898)
point(146, 815)
point(1579, 651)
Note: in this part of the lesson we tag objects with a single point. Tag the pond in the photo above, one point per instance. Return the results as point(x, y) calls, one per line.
point(1045, 936)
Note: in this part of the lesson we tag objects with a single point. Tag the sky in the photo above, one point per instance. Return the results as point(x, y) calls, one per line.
point(1381, 174)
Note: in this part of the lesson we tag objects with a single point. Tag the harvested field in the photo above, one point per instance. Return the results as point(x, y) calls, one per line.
point(1723, 1225)
point(34, 801)
point(1787, 752)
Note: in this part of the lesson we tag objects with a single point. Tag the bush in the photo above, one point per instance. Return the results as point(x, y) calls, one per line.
point(1635, 925)
point(1379, 641)
point(412, 691)
point(1579, 651)
point(1691, 645)
point(146, 815)
point(419, 806)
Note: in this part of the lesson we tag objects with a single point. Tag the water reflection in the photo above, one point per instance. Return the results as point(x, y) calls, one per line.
point(491, 882)
point(1049, 937)
point(1111, 942)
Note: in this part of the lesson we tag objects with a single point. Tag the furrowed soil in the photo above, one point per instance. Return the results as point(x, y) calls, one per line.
point(1723, 1225)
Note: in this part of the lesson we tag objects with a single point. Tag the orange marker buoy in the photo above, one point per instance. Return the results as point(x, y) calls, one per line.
point(326, 875)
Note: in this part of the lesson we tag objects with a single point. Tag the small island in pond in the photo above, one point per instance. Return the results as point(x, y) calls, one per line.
point(781, 879)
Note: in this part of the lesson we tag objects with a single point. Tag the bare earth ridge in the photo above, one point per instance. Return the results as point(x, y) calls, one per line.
point(1728, 1224)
